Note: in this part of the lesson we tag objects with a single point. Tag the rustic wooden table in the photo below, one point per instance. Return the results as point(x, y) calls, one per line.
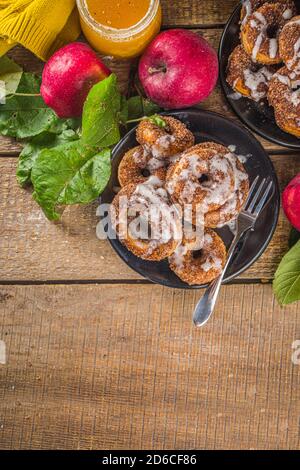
point(98, 358)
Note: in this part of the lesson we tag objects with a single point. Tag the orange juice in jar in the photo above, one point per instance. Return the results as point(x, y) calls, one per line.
point(120, 28)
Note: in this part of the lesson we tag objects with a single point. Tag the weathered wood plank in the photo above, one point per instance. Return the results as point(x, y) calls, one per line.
point(31, 247)
point(216, 102)
point(196, 12)
point(120, 367)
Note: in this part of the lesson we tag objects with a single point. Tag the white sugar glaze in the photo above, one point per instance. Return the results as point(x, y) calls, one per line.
point(294, 63)
point(218, 190)
point(149, 216)
point(254, 79)
point(248, 10)
point(294, 95)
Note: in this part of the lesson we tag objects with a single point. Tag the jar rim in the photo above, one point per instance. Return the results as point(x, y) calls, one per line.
point(122, 33)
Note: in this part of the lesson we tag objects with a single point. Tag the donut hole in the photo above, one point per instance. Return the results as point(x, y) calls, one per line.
point(272, 31)
point(296, 86)
point(197, 254)
point(204, 180)
point(145, 172)
point(254, 68)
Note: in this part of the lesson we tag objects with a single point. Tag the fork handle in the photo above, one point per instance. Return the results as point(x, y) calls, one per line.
point(206, 304)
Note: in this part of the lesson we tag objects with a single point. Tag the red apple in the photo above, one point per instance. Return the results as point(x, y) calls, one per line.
point(291, 202)
point(178, 69)
point(68, 77)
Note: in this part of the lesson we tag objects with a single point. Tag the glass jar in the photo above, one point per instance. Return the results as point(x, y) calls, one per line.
point(121, 43)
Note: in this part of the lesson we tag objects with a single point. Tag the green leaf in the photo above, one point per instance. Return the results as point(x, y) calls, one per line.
point(32, 150)
point(10, 74)
point(139, 107)
point(158, 121)
point(26, 116)
point(286, 284)
point(61, 125)
point(101, 114)
point(72, 173)
point(294, 237)
point(88, 182)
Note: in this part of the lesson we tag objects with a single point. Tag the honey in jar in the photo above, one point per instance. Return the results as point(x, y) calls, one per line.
point(120, 28)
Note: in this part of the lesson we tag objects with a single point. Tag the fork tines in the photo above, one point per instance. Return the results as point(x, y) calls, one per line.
point(258, 194)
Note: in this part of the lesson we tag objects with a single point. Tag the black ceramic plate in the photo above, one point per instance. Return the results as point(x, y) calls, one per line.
point(208, 126)
point(258, 116)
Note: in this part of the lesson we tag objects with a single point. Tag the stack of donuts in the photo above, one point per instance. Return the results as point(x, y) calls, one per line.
point(173, 194)
point(267, 62)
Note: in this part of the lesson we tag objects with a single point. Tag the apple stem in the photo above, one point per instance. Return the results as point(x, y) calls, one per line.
point(10, 95)
point(153, 70)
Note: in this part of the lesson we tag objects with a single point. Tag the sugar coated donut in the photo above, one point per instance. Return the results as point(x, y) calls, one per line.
point(143, 218)
point(246, 77)
point(289, 44)
point(210, 180)
point(166, 141)
point(196, 264)
point(249, 6)
point(137, 165)
point(284, 96)
point(260, 32)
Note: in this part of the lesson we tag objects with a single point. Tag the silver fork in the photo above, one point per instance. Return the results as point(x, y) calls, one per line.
point(257, 199)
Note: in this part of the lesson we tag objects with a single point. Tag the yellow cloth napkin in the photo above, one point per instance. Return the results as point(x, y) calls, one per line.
point(42, 26)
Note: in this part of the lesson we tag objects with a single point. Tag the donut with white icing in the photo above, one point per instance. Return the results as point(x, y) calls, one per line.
point(166, 141)
point(284, 96)
point(249, 6)
point(199, 263)
point(145, 220)
point(289, 44)
point(137, 165)
point(260, 32)
point(211, 180)
point(246, 77)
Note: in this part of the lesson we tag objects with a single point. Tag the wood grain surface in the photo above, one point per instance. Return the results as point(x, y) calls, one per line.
point(96, 358)
point(116, 367)
point(201, 13)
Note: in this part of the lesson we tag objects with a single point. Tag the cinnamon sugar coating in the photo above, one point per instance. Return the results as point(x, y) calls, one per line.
point(210, 178)
point(137, 165)
point(284, 96)
point(260, 32)
point(246, 77)
point(165, 142)
point(131, 203)
point(205, 266)
point(249, 6)
point(289, 44)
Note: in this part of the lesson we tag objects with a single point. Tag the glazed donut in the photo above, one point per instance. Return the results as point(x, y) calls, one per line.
point(246, 77)
point(284, 96)
point(199, 265)
point(137, 165)
point(260, 32)
point(212, 181)
point(289, 44)
point(145, 220)
point(166, 141)
point(249, 6)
